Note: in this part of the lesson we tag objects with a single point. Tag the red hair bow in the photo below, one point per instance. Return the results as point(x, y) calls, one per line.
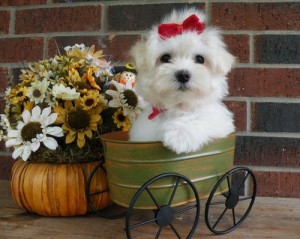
point(192, 23)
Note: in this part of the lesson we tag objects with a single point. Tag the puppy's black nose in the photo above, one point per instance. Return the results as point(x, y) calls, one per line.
point(183, 76)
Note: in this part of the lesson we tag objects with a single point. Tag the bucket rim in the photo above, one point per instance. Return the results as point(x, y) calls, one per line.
point(123, 137)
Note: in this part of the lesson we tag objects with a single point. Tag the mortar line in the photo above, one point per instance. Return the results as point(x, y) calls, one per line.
point(271, 168)
point(269, 134)
point(249, 115)
point(264, 99)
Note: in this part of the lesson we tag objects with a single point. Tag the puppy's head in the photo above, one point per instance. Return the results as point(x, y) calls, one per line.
point(181, 63)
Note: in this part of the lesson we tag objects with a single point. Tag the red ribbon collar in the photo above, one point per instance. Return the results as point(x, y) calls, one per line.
point(155, 112)
point(192, 23)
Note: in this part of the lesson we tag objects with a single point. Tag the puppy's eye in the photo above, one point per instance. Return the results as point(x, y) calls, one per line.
point(199, 59)
point(166, 58)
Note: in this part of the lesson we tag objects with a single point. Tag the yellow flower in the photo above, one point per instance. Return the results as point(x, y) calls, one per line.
point(28, 76)
point(91, 100)
point(77, 53)
point(90, 78)
point(121, 120)
point(15, 111)
point(95, 55)
point(129, 66)
point(28, 106)
point(17, 95)
point(74, 75)
point(77, 123)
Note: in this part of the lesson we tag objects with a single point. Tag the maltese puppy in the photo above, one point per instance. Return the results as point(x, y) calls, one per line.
point(182, 67)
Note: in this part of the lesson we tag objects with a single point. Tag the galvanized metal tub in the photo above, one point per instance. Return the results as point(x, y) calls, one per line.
point(130, 164)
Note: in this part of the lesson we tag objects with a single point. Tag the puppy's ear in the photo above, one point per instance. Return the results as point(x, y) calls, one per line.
point(138, 54)
point(221, 60)
point(224, 62)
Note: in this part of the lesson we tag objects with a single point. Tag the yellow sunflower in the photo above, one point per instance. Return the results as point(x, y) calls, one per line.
point(27, 76)
point(17, 95)
point(121, 120)
point(90, 78)
point(77, 123)
point(91, 100)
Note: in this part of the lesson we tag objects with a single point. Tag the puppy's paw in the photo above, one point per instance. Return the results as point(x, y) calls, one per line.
point(180, 141)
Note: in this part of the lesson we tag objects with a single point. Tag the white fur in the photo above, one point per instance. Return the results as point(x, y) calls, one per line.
point(192, 116)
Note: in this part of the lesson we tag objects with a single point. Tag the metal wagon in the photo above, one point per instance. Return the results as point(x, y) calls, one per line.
point(146, 175)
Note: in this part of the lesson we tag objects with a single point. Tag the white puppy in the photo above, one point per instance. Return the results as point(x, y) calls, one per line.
point(182, 69)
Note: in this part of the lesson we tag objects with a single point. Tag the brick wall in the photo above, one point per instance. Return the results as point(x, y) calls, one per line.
point(264, 86)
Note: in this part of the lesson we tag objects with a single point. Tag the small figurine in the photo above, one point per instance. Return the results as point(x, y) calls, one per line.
point(126, 78)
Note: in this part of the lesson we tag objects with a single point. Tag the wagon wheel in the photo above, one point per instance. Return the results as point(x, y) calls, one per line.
point(226, 211)
point(164, 216)
point(113, 211)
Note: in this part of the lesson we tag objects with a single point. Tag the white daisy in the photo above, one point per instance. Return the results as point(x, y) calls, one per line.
point(104, 73)
point(79, 46)
point(37, 91)
point(125, 98)
point(64, 93)
point(7, 92)
point(31, 131)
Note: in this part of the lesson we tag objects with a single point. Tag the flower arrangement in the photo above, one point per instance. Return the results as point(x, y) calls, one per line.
point(61, 106)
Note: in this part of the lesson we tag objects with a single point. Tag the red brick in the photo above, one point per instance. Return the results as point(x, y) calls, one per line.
point(4, 22)
point(256, 16)
point(4, 77)
point(239, 109)
point(64, 19)
point(21, 2)
point(278, 184)
point(118, 46)
point(21, 49)
point(6, 163)
point(264, 82)
point(114, 47)
point(238, 45)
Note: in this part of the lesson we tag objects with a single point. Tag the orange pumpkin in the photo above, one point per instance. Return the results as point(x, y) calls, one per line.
point(57, 189)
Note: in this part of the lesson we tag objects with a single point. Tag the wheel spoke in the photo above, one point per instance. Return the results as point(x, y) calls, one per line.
point(243, 181)
point(233, 217)
point(228, 183)
point(158, 232)
point(164, 213)
point(185, 209)
point(141, 223)
point(152, 197)
point(175, 231)
point(245, 198)
point(226, 194)
point(235, 180)
point(219, 219)
point(174, 191)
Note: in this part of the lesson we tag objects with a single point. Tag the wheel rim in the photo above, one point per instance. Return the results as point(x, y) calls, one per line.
point(113, 211)
point(164, 216)
point(226, 211)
